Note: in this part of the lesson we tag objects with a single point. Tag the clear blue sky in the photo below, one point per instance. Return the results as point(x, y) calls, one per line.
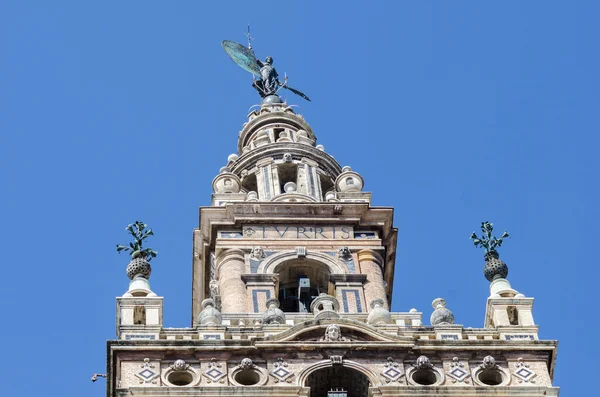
point(453, 112)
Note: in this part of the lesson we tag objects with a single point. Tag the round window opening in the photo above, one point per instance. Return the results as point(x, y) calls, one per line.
point(180, 378)
point(490, 377)
point(424, 377)
point(247, 377)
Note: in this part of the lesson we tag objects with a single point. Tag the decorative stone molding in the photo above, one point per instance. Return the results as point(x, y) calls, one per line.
point(180, 365)
point(424, 373)
point(281, 372)
point(333, 333)
point(213, 287)
point(488, 373)
point(301, 252)
point(344, 253)
point(458, 372)
point(257, 253)
point(393, 371)
point(524, 372)
point(148, 373)
point(246, 363)
point(214, 373)
point(336, 360)
point(272, 263)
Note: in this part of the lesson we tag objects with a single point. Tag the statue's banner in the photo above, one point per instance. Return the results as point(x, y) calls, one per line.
point(242, 56)
point(298, 232)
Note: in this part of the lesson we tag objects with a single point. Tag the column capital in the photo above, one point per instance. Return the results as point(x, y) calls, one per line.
point(370, 255)
point(227, 255)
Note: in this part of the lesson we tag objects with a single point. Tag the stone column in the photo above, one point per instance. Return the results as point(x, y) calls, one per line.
point(230, 267)
point(371, 264)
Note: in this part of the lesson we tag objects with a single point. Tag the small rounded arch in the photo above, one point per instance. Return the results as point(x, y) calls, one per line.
point(273, 263)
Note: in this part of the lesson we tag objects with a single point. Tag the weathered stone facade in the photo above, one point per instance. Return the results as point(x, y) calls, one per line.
point(292, 283)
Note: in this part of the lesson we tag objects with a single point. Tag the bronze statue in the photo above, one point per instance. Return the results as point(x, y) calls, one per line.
point(268, 83)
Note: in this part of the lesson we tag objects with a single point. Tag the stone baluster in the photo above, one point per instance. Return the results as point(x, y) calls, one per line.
point(371, 264)
point(230, 267)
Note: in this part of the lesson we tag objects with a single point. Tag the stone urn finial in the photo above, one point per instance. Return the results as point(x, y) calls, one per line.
point(209, 315)
point(273, 315)
point(494, 267)
point(379, 314)
point(140, 256)
point(441, 315)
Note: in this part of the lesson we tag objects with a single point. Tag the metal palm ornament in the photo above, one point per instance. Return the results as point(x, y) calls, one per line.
point(487, 241)
point(140, 232)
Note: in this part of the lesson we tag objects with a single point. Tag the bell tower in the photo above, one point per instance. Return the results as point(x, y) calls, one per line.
point(293, 270)
point(287, 225)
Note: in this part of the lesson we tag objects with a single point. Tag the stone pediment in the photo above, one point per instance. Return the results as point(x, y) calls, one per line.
point(338, 331)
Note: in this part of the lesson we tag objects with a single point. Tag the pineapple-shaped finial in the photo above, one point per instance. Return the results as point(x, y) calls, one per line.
point(140, 256)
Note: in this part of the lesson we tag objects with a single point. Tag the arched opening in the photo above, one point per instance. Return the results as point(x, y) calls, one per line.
point(338, 381)
point(249, 183)
point(287, 172)
point(299, 283)
point(326, 183)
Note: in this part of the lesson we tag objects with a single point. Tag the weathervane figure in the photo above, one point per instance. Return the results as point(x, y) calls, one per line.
point(268, 84)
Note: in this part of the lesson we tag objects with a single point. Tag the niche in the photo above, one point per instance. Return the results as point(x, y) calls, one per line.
point(513, 315)
point(139, 315)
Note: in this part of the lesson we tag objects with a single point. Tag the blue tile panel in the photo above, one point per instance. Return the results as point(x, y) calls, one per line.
point(267, 182)
point(368, 235)
point(450, 336)
point(147, 337)
point(312, 181)
point(351, 294)
point(234, 234)
point(255, 298)
point(511, 337)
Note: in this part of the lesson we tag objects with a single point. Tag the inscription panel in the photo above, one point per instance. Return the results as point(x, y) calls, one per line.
point(298, 232)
